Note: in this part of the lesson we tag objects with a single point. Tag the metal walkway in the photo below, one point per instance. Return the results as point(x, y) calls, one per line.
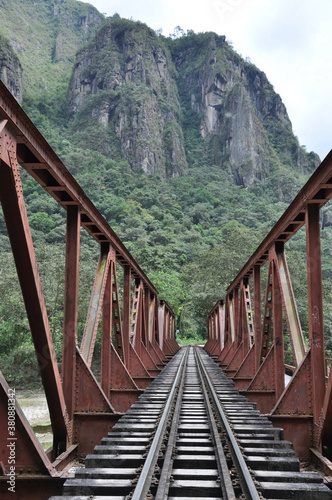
point(192, 435)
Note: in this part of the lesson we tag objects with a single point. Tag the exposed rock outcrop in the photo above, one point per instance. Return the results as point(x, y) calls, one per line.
point(245, 120)
point(124, 79)
point(136, 86)
point(10, 69)
point(75, 25)
point(45, 35)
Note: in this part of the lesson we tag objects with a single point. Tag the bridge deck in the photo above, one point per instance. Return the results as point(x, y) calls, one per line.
point(193, 435)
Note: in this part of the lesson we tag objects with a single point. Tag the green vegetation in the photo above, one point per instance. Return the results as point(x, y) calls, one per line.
point(190, 233)
point(46, 36)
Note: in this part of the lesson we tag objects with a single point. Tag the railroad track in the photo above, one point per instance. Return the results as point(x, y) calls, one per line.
point(192, 435)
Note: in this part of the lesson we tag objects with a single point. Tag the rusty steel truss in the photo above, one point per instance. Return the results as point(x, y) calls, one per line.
point(249, 345)
point(138, 334)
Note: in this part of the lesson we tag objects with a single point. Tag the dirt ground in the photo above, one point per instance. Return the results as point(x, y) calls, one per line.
point(35, 408)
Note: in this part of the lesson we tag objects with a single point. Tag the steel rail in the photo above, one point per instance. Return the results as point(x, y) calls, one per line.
point(247, 484)
point(165, 475)
point(225, 478)
point(39, 159)
point(144, 481)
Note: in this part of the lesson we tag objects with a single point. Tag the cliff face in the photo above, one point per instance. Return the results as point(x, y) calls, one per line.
point(138, 86)
point(10, 69)
point(243, 119)
point(160, 104)
point(124, 79)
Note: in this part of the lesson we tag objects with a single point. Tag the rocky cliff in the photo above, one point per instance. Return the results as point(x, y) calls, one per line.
point(10, 69)
point(125, 80)
point(138, 86)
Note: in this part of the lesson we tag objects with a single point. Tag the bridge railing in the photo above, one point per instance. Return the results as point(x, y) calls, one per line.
point(249, 345)
point(137, 333)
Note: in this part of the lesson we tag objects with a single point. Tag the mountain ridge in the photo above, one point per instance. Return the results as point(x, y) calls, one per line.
point(136, 86)
point(183, 146)
point(238, 111)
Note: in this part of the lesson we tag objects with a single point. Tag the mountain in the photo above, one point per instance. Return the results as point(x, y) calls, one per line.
point(149, 93)
point(244, 120)
point(10, 69)
point(147, 96)
point(124, 81)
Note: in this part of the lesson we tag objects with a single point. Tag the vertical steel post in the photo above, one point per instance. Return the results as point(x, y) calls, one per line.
point(229, 324)
point(70, 307)
point(146, 334)
point(212, 327)
point(126, 311)
point(209, 335)
point(139, 326)
point(257, 314)
point(243, 318)
point(216, 324)
point(106, 334)
point(236, 316)
point(315, 309)
point(221, 315)
point(278, 336)
point(161, 326)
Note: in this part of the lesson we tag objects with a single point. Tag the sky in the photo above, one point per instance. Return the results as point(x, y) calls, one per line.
point(290, 40)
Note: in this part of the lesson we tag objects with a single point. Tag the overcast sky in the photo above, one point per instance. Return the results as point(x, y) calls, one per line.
point(290, 40)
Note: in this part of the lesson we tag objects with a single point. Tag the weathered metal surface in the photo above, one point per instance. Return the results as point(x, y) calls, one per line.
point(261, 373)
point(81, 408)
point(92, 320)
point(24, 465)
point(196, 441)
point(116, 317)
point(315, 313)
point(70, 308)
point(257, 315)
point(106, 337)
point(325, 421)
point(278, 334)
point(292, 317)
point(167, 328)
point(19, 441)
point(264, 342)
point(216, 329)
point(126, 310)
point(246, 371)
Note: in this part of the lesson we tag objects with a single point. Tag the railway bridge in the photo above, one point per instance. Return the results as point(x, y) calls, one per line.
point(230, 419)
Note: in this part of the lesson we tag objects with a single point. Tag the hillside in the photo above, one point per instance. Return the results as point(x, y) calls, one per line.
point(183, 146)
point(155, 97)
point(45, 36)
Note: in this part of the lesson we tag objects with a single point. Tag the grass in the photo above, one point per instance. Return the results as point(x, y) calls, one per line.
point(185, 341)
